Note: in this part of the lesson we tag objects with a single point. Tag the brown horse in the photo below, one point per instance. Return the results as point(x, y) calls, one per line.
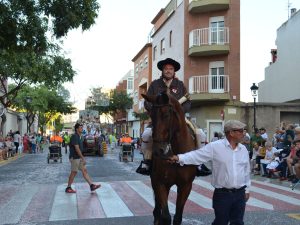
point(170, 136)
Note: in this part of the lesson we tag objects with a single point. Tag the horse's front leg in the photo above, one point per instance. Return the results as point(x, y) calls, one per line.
point(161, 204)
point(183, 193)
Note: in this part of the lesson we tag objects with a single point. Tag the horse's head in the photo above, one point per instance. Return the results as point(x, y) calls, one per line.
point(167, 117)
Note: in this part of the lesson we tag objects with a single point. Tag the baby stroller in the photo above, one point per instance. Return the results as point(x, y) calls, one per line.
point(54, 152)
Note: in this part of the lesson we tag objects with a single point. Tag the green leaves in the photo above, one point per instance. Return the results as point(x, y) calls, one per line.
point(27, 54)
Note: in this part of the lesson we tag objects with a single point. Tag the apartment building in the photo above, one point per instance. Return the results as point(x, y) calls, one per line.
point(204, 37)
point(142, 79)
point(281, 83)
point(124, 120)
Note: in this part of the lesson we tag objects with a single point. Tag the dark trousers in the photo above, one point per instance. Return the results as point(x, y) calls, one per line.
point(229, 207)
point(17, 146)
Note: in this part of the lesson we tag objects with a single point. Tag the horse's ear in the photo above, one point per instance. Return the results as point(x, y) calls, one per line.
point(149, 98)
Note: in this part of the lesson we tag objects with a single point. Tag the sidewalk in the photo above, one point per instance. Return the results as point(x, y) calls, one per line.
point(11, 159)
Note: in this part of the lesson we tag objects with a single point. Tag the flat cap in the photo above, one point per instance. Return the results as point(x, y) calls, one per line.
point(233, 125)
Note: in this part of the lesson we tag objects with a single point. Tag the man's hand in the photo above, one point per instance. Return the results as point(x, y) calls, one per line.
point(173, 159)
point(247, 196)
point(83, 161)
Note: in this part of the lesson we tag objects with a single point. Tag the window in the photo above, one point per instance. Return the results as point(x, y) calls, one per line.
point(130, 83)
point(154, 53)
point(141, 64)
point(162, 46)
point(216, 77)
point(135, 97)
point(136, 70)
point(170, 39)
point(146, 61)
point(217, 30)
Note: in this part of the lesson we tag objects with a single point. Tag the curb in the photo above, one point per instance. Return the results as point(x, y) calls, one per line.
point(11, 159)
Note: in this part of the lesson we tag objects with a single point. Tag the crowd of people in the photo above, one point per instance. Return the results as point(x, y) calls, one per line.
point(275, 156)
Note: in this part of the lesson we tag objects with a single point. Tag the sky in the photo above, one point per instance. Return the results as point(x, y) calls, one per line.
point(102, 55)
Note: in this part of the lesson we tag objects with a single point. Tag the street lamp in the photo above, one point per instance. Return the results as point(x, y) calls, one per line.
point(28, 100)
point(254, 92)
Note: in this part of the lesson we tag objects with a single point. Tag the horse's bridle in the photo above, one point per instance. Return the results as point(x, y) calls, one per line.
point(166, 143)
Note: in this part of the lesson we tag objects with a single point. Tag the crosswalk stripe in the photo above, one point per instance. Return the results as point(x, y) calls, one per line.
point(199, 199)
point(137, 205)
point(146, 192)
point(64, 205)
point(252, 201)
point(287, 189)
point(11, 212)
point(112, 204)
point(88, 203)
point(278, 196)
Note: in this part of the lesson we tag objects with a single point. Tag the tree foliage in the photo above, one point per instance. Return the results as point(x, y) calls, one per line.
point(28, 53)
point(43, 102)
point(118, 101)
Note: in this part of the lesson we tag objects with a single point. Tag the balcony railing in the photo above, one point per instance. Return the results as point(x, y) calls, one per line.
point(209, 36)
point(141, 104)
point(209, 84)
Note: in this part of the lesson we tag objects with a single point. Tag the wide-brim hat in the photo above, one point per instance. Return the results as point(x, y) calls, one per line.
point(160, 64)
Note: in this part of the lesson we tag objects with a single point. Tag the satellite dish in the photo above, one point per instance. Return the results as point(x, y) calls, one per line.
point(2, 109)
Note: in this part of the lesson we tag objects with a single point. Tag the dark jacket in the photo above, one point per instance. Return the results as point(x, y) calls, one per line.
point(177, 89)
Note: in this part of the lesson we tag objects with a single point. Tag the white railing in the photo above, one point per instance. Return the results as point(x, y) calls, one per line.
point(141, 104)
point(209, 36)
point(209, 84)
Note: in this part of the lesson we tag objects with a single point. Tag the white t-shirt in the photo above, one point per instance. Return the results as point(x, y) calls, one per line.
point(147, 139)
point(17, 138)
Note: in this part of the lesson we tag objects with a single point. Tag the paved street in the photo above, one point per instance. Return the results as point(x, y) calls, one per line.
point(32, 192)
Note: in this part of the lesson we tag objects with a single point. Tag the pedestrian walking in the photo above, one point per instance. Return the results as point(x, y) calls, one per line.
point(17, 140)
point(77, 160)
point(230, 173)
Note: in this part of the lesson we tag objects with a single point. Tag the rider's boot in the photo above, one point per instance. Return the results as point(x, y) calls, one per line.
point(202, 171)
point(145, 167)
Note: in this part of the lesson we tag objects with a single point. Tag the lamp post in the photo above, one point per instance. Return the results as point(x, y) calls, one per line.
point(28, 101)
point(254, 92)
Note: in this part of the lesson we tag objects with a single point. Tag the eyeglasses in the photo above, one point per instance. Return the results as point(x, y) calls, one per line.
point(238, 130)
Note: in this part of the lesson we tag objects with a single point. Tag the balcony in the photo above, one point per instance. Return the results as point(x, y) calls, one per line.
point(209, 41)
point(209, 88)
point(202, 6)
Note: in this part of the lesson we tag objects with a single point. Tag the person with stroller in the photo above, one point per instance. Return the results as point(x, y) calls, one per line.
point(78, 161)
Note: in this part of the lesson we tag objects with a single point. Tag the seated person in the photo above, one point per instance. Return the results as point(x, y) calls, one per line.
point(3, 148)
point(10, 145)
point(56, 138)
point(126, 140)
point(255, 152)
point(269, 156)
point(261, 155)
point(296, 161)
point(272, 166)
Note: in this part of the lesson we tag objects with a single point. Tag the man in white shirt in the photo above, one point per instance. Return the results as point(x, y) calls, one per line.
point(230, 173)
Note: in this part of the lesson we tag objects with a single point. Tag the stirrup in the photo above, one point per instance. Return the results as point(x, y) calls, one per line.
point(142, 170)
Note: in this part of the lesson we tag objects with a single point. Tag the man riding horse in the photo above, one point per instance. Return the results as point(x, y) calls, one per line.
point(170, 84)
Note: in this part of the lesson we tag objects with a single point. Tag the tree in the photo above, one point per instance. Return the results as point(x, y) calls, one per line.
point(118, 101)
point(45, 103)
point(27, 56)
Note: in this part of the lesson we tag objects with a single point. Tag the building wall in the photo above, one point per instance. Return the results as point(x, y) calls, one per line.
point(174, 23)
point(271, 115)
point(281, 83)
point(196, 66)
point(143, 78)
